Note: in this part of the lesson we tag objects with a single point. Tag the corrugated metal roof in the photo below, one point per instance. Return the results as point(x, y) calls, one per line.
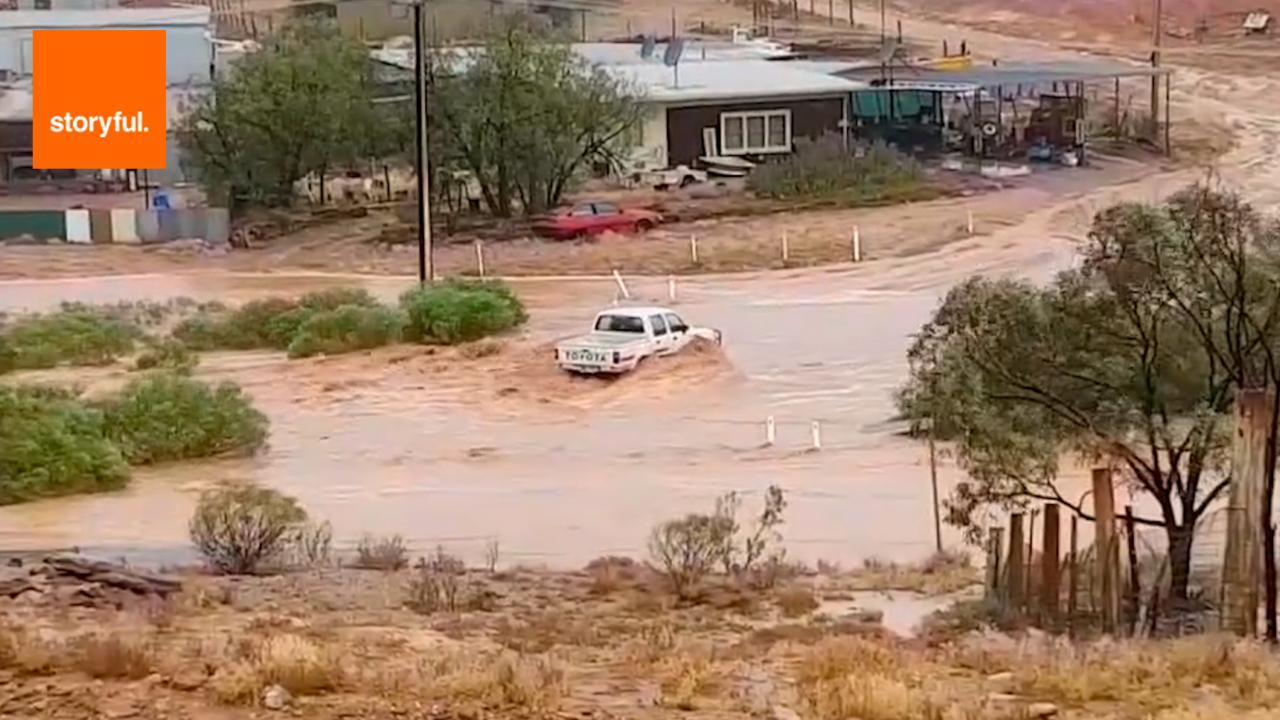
point(730, 80)
point(399, 53)
point(105, 18)
point(1009, 74)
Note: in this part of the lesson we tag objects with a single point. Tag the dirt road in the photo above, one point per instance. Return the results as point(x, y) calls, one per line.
point(418, 447)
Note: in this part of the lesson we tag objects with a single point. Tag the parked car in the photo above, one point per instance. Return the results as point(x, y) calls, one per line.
point(621, 337)
point(593, 218)
point(678, 176)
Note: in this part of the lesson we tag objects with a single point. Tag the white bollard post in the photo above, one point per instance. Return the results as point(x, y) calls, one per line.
point(969, 224)
point(786, 248)
point(693, 248)
point(480, 257)
point(622, 286)
point(770, 431)
point(816, 428)
point(671, 288)
point(857, 245)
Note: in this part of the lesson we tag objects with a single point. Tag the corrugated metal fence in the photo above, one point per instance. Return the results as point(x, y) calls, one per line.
point(117, 225)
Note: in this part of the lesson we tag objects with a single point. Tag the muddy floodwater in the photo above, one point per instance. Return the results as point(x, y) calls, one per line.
point(428, 456)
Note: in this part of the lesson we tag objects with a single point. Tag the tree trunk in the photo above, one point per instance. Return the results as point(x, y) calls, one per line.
point(1268, 522)
point(1180, 539)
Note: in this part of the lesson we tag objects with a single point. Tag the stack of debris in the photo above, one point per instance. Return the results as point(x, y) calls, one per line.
point(81, 582)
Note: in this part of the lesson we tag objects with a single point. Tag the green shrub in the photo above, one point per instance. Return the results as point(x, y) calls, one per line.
point(460, 311)
point(334, 298)
point(256, 324)
point(346, 329)
point(237, 529)
point(8, 357)
point(52, 444)
point(168, 417)
point(168, 354)
point(267, 323)
point(76, 337)
point(199, 332)
point(825, 169)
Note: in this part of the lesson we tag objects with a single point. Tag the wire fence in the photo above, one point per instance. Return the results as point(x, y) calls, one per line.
point(1076, 577)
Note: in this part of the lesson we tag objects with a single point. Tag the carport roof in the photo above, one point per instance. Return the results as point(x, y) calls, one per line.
point(1006, 74)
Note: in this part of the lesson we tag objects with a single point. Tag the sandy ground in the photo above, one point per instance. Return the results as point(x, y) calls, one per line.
point(606, 642)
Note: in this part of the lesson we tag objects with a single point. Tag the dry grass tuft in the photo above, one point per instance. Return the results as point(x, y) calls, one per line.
point(237, 684)
point(113, 656)
point(298, 665)
point(941, 574)
point(795, 601)
point(24, 653)
point(387, 553)
point(1150, 676)
point(611, 573)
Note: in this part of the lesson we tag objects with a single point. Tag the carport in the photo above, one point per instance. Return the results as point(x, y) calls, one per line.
point(990, 105)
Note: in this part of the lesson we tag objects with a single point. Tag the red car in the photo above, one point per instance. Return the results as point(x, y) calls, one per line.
point(593, 218)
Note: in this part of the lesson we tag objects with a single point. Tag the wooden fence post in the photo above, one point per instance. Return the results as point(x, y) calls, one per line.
point(1105, 548)
point(1016, 565)
point(1073, 575)
point(994, 553)
point(1028, 594)
point(1134, 592)
point(1243, 557)
point(1050, 587)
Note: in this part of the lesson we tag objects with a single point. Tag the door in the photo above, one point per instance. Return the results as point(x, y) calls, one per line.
point(663, 339)
point(679, 332)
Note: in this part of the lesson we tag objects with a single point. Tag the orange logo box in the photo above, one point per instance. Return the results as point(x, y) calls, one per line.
point(99, 99)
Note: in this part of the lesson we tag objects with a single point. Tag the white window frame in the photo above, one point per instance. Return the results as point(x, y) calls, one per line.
point(749, 149)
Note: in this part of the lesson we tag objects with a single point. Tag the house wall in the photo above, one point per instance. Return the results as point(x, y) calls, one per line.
point(810, 118)
point(653, 137)
point(187, 47)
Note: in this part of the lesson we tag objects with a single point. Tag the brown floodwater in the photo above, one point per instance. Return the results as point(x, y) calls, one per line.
point(431, 454)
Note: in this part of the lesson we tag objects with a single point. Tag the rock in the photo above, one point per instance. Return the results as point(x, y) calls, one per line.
point(1001, 682)
point(275, 698)
point(188, 679)
point(154, 679)
point(1042, 710)
point(781, 712)
point(864, 616)
point(1003, 701)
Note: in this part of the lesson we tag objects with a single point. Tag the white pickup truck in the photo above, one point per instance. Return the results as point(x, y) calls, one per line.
point(621, 337)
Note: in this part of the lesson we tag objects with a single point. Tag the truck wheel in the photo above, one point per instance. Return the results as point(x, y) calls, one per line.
point(643, 226)
point(686, 181)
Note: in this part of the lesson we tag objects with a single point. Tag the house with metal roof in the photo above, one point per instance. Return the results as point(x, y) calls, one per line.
point(733, 108)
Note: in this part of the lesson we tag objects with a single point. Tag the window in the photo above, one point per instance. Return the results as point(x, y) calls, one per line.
point(606, 209)
point(677, 325)
point(582, 211)
point(659, 325)
point(620, 323)
point(766, 131)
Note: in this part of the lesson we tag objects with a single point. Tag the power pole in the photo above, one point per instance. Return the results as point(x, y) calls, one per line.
point(426, 266)
point(1157, 32)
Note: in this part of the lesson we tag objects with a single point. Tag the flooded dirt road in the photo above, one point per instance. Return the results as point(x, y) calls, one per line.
point(415, 446)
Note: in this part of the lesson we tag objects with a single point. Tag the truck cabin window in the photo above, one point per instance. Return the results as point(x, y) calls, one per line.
point(620, 323)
